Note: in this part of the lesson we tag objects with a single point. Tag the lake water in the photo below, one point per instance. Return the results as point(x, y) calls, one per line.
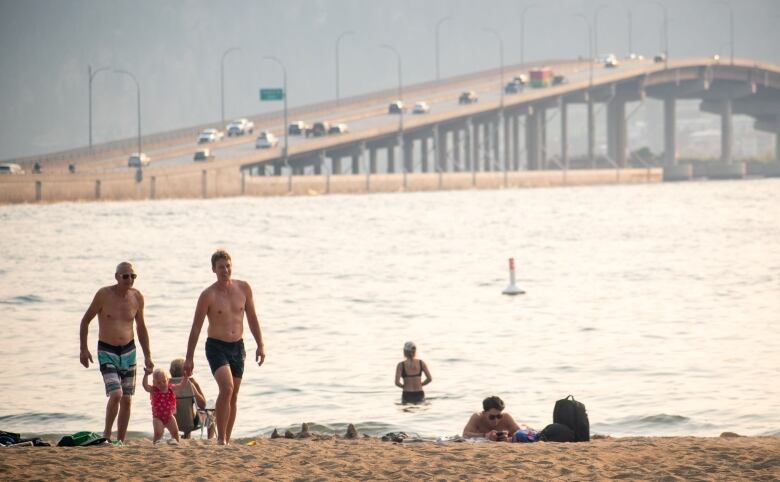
point(658, 306)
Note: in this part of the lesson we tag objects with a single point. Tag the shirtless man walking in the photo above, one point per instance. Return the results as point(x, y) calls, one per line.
point(225, 302)
point(116, 307)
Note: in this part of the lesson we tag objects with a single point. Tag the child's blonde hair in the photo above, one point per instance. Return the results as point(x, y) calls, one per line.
point(160, 372)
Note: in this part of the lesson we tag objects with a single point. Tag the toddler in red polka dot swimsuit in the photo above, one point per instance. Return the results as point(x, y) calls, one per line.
point(163, 403)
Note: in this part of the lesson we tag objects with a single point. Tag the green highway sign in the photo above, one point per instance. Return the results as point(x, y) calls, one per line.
point(271, 94)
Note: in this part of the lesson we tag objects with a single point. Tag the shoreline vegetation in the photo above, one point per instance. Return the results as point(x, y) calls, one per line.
point(328, 457)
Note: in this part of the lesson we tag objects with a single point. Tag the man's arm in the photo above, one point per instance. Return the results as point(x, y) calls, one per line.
point(200, 400)
point(254, 324)
point(511, 425)
point(145, 381)
point(85, 356)
point(472, 427)
point(143, 333)
point(197, 324)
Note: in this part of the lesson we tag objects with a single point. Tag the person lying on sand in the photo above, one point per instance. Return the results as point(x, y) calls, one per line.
point(491, 423)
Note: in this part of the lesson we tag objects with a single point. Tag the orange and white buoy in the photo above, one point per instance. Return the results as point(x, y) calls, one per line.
point(512, 289)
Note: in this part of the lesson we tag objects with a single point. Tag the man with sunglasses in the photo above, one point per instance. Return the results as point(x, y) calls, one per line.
point(491, 423)
point(117, 307)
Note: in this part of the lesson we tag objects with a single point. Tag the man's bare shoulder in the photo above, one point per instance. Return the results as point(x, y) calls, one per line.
point(137, 294)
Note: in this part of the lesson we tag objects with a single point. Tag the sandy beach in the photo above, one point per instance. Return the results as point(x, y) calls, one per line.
point(635, 458)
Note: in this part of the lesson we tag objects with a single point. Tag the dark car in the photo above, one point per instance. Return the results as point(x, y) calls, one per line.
point(558, 80)
point(318, 129)
point(659, 58)
point(297, 128)
point(468, 97)
point(396, 107)
point(513, 87)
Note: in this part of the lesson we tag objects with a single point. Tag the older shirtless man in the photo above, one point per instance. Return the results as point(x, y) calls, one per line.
point(225, 302)
point(116, 307)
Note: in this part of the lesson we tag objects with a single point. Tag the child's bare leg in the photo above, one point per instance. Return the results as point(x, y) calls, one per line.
point(173, 428)
point(158, 428)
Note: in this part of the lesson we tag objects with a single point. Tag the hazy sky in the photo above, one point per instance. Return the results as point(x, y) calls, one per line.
point(174, 48)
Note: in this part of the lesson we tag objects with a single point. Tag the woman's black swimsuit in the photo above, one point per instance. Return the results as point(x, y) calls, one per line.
point(411, 397)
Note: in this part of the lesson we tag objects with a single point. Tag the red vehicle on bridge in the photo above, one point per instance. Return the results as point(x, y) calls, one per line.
point(541, 77)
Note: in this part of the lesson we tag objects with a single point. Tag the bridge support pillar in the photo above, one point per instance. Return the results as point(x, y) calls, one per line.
point(508, 147)
point(515, 142)
point(391, 159)
point(424, 167)
point(564, 135)
point(616, 131)
point(591, 132)
point(726, 132)
point(496, 143)
point(356, 161)
point(372, 160)
point(670, 131)
point(467, 145)
point(777, 138)
point(335, 165)
point(533, 138)
point(457, 166)
point(277, 168)
point(408, 155)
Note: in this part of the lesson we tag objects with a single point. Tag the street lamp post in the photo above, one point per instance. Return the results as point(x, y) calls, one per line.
point(222, 81)
point(630, 31)
point(522, 30)
point(401, 114)
point(599, 9)
point(590, 47)
point(138, 101)
point(438, 25)
point(92, 74)
point(501, 61)
point(666, 31)
point(338, 81)
point(731, 27)
point(284, 97)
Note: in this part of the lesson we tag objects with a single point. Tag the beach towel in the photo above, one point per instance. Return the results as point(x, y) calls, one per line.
point(81, 439)
point(10, 438)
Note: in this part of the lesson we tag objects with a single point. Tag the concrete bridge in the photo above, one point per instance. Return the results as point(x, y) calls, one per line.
point(485, 136)
point(467, 142)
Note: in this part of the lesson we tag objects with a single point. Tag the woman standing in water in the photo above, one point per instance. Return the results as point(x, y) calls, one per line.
point(408, 375)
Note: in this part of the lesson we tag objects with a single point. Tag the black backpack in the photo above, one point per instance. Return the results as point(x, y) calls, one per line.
point(572, 413)
point(557, 432)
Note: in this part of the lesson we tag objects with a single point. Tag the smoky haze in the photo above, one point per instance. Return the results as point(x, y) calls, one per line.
point(174, 49)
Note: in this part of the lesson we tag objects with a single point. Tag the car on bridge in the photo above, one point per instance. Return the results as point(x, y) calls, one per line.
point(421, 107)
point(138, 160)
point(396, 107)
point(11, 168)
point(468, 97)
point(318, 129)
point(297, 128)
point(239, 127)
point(659, 58)
point(210, 135)
point(338, 129)
point(203, 155)
point(266, 140)
point(611, 61)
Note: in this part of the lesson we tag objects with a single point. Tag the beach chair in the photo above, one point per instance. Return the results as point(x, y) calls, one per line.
point(188, 416)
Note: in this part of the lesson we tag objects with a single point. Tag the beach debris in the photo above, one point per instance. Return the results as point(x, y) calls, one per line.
point(275, 434)
point(397, 437)
point(304, 433)
point(289, 434)
point(252, 443)
point(512, 289)
point(730, 435)
point(351, 431)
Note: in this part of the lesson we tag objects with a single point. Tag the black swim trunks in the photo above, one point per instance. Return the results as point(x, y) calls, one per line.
point(220, 353)
point(413, 397)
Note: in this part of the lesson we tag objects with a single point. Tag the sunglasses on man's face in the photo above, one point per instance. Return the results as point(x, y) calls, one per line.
point(495, 417)
point(129, 275)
